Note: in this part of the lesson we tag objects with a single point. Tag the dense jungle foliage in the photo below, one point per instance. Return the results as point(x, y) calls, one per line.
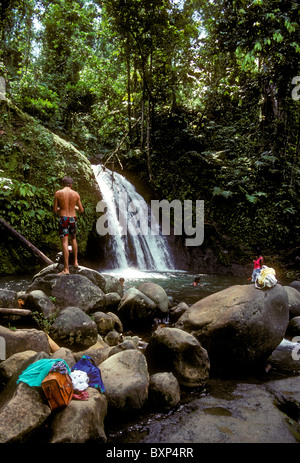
point(200, 97)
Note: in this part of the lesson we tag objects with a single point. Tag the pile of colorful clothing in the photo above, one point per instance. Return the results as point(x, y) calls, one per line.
point(84, 374)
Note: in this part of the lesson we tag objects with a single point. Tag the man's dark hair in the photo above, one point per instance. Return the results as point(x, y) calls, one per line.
point(67, 181)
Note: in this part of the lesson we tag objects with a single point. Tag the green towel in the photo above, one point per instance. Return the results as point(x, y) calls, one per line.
point(37, 371)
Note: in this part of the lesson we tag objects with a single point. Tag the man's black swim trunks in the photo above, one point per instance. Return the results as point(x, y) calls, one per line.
point(67, 225)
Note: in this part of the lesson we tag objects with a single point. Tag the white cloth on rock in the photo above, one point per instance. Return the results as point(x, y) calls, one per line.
point(80, 380)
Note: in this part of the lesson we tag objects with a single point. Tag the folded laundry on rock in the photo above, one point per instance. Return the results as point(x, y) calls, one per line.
point(80, 380)
point(87, 364)
point(36, 372)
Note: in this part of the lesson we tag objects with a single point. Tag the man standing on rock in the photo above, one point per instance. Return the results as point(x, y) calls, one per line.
point(65, 202)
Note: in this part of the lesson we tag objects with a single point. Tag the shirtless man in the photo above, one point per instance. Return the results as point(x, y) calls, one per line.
point(65, 202)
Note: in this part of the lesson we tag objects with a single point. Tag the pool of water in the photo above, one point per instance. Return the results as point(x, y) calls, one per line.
point(177, 284)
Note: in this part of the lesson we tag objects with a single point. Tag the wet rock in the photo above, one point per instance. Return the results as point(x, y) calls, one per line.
point(176, 312)
point(157, 294)
point(164, 391)
point(112, 285)
point(246, 415)
point(81, 421)
point(172, 349)
point(136, 308)
point(287, 394)
point(239, 326)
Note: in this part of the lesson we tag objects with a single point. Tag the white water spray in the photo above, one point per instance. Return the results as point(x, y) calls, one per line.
point(138, 250)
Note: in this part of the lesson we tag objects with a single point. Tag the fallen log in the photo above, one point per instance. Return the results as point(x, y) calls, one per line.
point(22, 312)
point(27, 243)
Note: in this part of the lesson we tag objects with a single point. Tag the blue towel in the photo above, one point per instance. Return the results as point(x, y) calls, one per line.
point(36, 372)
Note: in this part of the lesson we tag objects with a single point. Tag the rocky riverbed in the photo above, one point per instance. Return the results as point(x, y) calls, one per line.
point(179, 386)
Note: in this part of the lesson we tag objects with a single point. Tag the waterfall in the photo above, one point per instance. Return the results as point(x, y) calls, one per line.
point(135, 247)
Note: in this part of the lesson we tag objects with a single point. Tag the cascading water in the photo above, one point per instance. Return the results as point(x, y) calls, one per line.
point(130, 243)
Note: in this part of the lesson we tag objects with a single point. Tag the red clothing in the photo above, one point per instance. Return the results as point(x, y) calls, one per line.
point(258, 262)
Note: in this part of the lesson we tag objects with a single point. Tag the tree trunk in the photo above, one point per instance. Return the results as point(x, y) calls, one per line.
point(27, 243)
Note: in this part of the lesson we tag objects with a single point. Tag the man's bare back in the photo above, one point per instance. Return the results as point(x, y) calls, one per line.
point(66, 201)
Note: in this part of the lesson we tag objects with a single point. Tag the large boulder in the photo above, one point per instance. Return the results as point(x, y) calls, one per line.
point(73, 288)
point(93, 275)
point(164, 391)
point(24, 339)
point(11, 366)
point(126, 379)
point(38, 301)
point(22, 414)
point(107, 322)
point(136, 308)
point(157, 294)
point(74, 329)
point(293, 301)
point(172, 349)
point(81, 421)
point(239, 326)
point(295, 284)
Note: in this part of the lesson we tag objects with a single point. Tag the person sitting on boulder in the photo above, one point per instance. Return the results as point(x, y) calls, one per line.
point(257, 265)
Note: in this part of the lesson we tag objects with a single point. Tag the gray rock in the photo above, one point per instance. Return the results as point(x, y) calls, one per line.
point(293, 328)
point(38, 301)
point(293, 301)
point(81, 421)
point(107, 322)
point(74, 329)
point(8, 299)
point(9, 367)
point(247, 414)
point(239, 326)
point(287, 394)
point(164, 391)
point(77, 289)
point(172, 349)
point(25, 412)
point(176, 312)
point(125, 345)
point(157, 294)
point(24, 339)
point(136, 308)
point(126, 379)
